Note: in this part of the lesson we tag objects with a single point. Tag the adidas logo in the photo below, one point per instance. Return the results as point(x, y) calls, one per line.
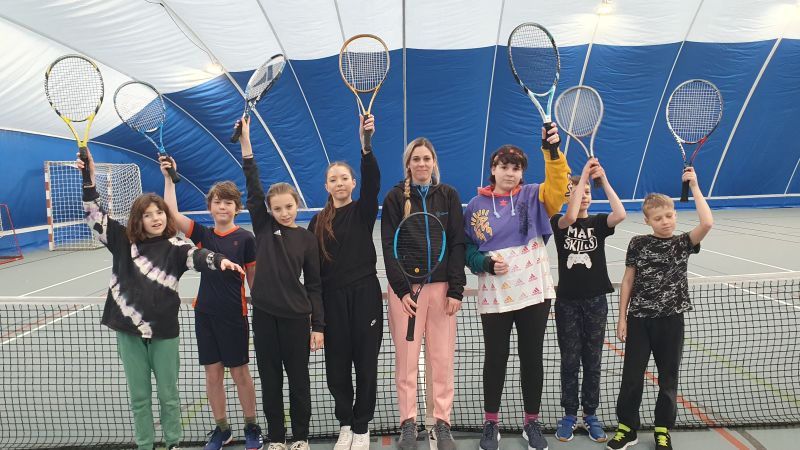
point(485, 301)
point(515, 268)
point(519, 282)
point(532, 278)
point(277, 232)
point(508, 299)
point(524, 250)
point(536, 291)
point(505, 285)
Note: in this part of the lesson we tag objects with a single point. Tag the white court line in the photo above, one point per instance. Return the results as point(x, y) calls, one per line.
point(65, 281)
point(694, 274)
point(730, 256)
point(763, 296)
point(10, 340)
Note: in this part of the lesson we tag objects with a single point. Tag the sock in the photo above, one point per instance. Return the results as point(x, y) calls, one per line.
point(249, 420)
point(223, 424)
point(529, 417)
point(492, 417)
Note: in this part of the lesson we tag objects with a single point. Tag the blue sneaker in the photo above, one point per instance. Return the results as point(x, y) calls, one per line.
point(566, 426)
point(595, 428)
point(252, 437)
point(532, 432)
point(218, 438)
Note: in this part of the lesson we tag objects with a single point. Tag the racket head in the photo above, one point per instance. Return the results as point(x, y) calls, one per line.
point(74, 87)
point(419, 245)
point(140, 106)
point(534, 58)
point(579, 111)
point(264, 78)
point(694, 110)
point(364, 62)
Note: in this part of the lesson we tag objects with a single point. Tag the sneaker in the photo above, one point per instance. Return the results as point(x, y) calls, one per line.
point(594, 427)
point(345, 438)
point(566, 427)
point(490, 438)
point(276, 446)
point(532, 432)
point(663, 441)
point(299, 445)
point(253, 440)
point(408, 435)
point(218, 438)
point(441, 438)
point(623, 438)
point(360, 441)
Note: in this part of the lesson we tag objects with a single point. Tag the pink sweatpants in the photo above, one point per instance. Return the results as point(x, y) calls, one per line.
point(440, 344)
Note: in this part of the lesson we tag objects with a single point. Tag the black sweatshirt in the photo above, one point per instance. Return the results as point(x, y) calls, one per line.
point(443, 202)
point(352, 250)
point(282, 255)
point(142, 297)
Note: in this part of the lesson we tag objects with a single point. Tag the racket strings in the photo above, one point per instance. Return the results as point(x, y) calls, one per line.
point(578, 111)
point(534, 58)
point(694, 110)
point(263, 77)
point(140, 107)
point(74, 87)
point(419, 246)
point(364, 68)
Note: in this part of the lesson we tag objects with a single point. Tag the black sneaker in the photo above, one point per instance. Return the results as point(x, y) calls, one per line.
point(490, 438)
point(663, 441)
point(623, 438)
point(408, 435)
point(532, 432)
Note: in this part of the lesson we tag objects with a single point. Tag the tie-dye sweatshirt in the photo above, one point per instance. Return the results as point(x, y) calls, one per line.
point(143, 295)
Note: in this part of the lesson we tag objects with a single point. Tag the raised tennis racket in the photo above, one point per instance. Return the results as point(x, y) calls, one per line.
point(419, 245)
point(579, 111)
point(534, 60)
point(260, 82)
point(694, 110)
point(74, 87)
point(364, 64)
point(141, 107)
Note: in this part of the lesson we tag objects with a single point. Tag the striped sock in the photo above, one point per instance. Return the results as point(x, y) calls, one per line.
point(492, 417)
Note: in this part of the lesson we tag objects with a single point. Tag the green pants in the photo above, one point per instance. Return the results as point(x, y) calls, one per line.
point(140, 357)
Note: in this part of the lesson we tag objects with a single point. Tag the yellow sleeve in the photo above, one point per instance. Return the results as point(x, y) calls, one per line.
point(553, 192)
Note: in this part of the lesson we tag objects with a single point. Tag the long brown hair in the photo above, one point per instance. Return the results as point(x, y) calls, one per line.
point(135, 228)
point(323, 228)
point(435, 177)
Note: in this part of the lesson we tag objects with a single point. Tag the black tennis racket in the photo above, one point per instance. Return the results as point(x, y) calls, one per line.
point(694, 110)
point(535, 63)
point(579, 111)
point(74, 87)
point(364, 64)
point(260, 82)
point(419, 245)
point(142, 108)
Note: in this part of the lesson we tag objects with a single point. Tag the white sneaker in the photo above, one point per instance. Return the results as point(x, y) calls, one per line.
point(345, 438)
point(299, 445)
point(276, 446)
point(360, 441)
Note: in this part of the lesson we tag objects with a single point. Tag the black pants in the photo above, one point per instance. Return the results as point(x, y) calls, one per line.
point(581, 327)
point(531, 323)
point(664, 337)
point(353, 333)
point(283, 343)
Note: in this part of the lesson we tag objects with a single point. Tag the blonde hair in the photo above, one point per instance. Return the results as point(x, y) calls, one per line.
point(656, 200)
point(435, 177)
point(282, 188)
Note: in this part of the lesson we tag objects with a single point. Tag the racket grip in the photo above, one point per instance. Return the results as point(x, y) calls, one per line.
point(412, 321)
point(368, 141)
point(548, 146)
point(85, 174)
point(174, 175)
point(237, 131)
point(685, 192)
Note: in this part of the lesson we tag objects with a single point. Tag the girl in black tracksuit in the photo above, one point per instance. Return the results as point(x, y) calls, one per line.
point(288, 318)
point(351, 293)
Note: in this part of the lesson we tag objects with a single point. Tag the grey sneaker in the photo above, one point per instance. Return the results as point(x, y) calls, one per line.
point(533, 434)
point(408, 435)
point(490, 438)
point(441, 438)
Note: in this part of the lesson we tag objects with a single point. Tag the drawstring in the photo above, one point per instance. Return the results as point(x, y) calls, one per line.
point(511, 195)
point(496, 214)
point(494, 206)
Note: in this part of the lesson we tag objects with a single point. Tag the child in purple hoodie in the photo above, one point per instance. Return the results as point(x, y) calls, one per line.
point(507, 225)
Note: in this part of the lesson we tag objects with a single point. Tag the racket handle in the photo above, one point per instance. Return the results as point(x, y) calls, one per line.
point(85, 174)
point(174, 175)
point(368, 148)
point(237, 131)
point(412, 321)
point(548, 146)
point(685, 192)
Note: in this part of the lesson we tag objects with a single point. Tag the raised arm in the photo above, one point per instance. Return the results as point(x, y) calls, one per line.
point(553, 192)
point(183, 223)
point(703, 211)
point(618, 213)
point(259, 215)
point(576, 197)
point(370, 176)
point(107, 230)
